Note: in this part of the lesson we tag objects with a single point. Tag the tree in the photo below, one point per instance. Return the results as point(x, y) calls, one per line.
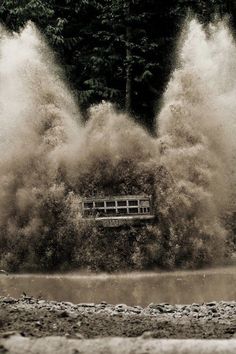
point(116, 50)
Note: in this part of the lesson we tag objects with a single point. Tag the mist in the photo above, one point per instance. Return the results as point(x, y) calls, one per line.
point(49, 160)
point(196, 128)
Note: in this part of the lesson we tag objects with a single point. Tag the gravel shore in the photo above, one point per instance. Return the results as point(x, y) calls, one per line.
point(38, 318)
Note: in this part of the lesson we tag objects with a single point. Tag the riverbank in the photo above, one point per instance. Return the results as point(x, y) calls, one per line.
point(38, 318)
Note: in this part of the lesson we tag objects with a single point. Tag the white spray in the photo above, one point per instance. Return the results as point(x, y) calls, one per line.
point(197, 136)
point(39, 120)
point(48, 161)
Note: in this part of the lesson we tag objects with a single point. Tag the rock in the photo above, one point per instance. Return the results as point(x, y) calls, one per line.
point(9, 300)
point(115, 313)
point(156, 307)
point(41, 302)
point(147, 335)
point(79, 336)
point(120, 308)
point(134, 310)
point(186, 312)
point(67, 303)
point(8, 334)
point(169, 309)
point(63, 314)
point(211, 304)
point(214, 310)
point(152, 305)
point(27, 297)
point(38, 324)
point(103, 303)
point(72, 314)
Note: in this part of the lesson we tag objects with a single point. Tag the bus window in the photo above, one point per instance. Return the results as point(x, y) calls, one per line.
point(110, 204)
point(121, 203)
point(111, 211)
point(99, 204)
point(133, 210)
point(144, 203)
point(122, 211)
point(133, 202)
point(100, 212)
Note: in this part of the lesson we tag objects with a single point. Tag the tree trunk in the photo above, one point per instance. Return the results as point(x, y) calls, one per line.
point(128, 88)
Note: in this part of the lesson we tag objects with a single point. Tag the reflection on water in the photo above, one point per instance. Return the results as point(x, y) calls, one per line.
point(131, 288)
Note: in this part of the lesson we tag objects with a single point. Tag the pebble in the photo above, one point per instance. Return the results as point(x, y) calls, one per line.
point(73, 314)
point(41, 302)
point(79, 336)
point(9, 300)
point(209, 310)
point(63, 314)
point(38, 324)
point(134, 310)
point(115, 313)
point(210, 304)
point(147, 335)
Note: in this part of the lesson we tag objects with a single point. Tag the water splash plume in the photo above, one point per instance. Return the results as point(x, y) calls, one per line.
point(39, 120)
point(196, 128)
point(49, 161)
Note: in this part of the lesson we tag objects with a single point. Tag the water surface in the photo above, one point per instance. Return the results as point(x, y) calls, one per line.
point(182, 287)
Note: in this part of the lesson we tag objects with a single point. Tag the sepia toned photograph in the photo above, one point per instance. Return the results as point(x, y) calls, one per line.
point(117, 176)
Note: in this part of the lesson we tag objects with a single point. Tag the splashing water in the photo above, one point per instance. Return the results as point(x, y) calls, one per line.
point(48, 160)
point(39, 120)
point(197, 129)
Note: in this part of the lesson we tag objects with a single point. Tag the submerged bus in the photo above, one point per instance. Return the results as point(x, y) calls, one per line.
point(118, 210)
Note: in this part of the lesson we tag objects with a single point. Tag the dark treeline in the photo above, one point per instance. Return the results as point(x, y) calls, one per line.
point(116, 50)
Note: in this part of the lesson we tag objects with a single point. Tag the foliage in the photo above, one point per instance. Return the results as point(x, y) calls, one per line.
point(90, 37)
point(94, 248)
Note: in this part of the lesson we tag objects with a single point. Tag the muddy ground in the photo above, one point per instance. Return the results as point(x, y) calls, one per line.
point(35, 317)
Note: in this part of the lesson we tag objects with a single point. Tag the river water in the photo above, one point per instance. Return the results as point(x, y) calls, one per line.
point(180, 287)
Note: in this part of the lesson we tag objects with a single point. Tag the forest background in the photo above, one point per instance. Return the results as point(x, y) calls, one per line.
point(115, 50)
